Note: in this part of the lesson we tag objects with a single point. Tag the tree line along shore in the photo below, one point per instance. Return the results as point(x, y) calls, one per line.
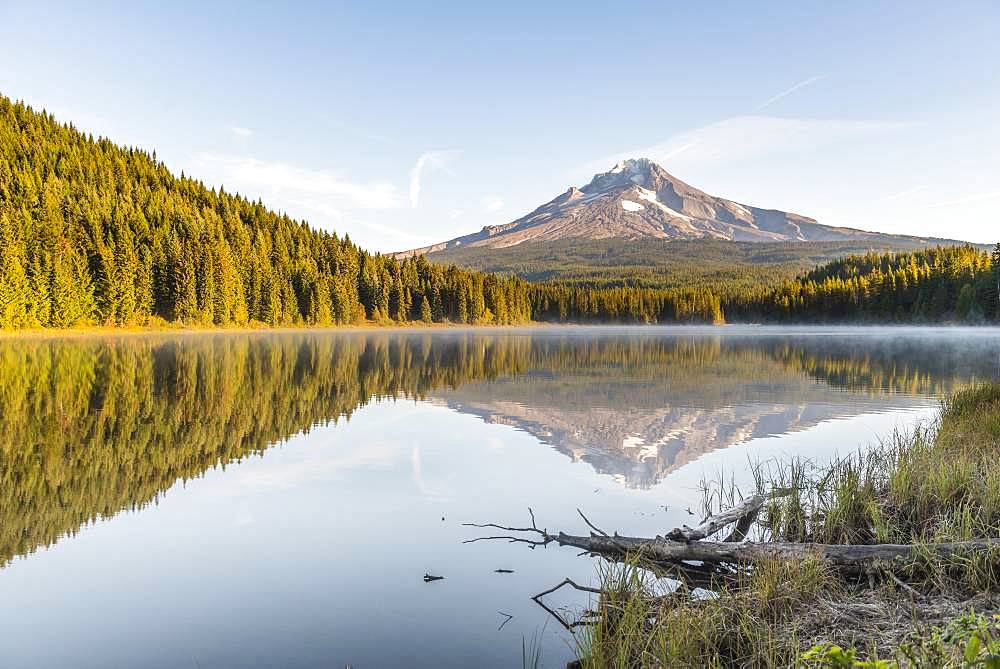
point(95, 234)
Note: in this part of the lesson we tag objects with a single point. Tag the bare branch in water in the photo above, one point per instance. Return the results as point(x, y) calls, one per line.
point(562, 621)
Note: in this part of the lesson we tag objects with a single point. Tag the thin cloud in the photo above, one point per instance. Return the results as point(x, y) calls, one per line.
point(789, 91)
point(356, 131)
point(456, 214)
point(747, 138)
point(679, 150)
point(283, 181)
point(429, 161)
point(417, 476)
point(902, 194)
point(979, 197)
point(240, 131)
point(492, 203)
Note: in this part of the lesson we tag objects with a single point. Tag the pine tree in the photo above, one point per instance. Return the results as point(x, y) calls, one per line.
point(14, 290)
point(995, 258)
point(463, 306)
point(965, 303)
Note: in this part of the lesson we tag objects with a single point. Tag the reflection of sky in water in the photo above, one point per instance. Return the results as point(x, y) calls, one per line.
point(312, 554)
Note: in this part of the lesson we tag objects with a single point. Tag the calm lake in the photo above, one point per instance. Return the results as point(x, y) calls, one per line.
point(274, 500)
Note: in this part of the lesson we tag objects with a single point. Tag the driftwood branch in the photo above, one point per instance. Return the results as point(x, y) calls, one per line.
point(591, 525)
point(743, 514)
point(555, 614)
point(747, 508)
point(663, 550)
point(544, 538)
point(686, 550)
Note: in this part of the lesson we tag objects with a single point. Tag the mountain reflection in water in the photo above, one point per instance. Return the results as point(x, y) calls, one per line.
point(93, 426)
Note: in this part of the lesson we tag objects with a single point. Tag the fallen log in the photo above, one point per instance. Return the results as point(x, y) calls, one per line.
point(664, 550)
point(683, 546)
point(695, 561)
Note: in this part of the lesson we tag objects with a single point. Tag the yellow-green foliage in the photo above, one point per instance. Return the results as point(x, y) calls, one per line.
point(737, 625)
point(95, 233)
point(970, 640)
point(939, 482)
point(91, 427)
point(956, 283)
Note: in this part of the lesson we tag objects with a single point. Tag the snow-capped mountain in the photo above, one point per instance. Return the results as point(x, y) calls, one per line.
point(640, 199)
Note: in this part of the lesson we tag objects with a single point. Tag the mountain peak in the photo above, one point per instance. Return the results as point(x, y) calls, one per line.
point(637, 198)
point(634, 165)
point(638, 171)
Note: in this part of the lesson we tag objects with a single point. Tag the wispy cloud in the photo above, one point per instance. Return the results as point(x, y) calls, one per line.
point(979, 197)
point(327, 199)
point(679, 150)
point(429, 161)
point(284, 181)
point(909, 192)
point(788, 91)
point(456, 214)
point(240, 132)
point(492, 203)
point(354, 130)
point(748, 138)
point(417, 476)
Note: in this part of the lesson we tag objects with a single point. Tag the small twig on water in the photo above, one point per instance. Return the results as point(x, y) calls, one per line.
point(509, 618)
point(545, 540)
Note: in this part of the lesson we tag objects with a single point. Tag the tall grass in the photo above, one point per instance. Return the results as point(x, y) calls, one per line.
point(747, 623)
point(937, 482)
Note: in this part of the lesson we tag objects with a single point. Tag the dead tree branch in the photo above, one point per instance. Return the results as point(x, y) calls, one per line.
point(562, 621)
point(667, 551)
point(686, 550)
point(743, 514)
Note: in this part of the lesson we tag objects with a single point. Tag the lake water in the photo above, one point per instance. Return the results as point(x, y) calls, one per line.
point(274, 500)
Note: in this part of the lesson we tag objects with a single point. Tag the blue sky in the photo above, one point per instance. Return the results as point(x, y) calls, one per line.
point(406, 123)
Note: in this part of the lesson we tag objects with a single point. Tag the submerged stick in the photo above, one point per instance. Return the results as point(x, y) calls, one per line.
point(562, 621)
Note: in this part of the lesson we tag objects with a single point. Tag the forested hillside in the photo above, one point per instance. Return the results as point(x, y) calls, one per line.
point(948, 284)
point(724, 266)
point(944, 284)
point(93, 233)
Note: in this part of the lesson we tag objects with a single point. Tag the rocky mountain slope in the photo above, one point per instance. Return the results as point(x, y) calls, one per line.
point(638, 199)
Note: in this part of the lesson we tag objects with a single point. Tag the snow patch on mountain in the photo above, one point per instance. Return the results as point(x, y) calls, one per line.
point(650, 196)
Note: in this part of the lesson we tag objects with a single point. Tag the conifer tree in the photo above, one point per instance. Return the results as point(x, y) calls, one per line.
point(995, 257)
point(425, 310)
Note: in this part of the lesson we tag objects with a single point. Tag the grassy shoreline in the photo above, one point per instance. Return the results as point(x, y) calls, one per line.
point(936, 484)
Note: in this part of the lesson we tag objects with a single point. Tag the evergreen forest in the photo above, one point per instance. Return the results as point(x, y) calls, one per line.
point(95, 234)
